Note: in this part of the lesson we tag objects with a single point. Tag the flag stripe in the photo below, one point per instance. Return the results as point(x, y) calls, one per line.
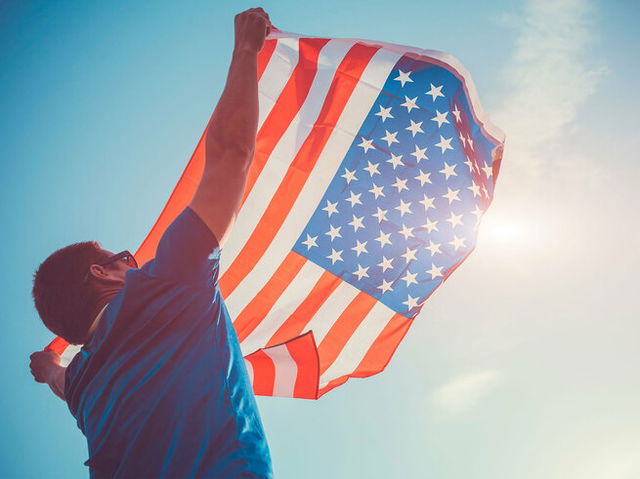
point(282, 309)
point(262, 302)
point(286, 147)
point(263, 382)
point(307, 308)
point(358, 344)
point(265, 55)
point(343, 328)
point(249, 370)
point(378, 355)
point(285, 370)
point(304, 352)
point(285, 108)
point(341, 88)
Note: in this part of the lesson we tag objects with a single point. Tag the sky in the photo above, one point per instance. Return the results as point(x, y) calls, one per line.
point(524, 365)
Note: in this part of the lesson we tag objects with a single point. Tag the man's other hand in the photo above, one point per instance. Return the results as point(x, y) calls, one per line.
point(43, 364)
point(251, 28)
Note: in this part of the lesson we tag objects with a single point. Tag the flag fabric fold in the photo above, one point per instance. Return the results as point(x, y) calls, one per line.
point(374, 164)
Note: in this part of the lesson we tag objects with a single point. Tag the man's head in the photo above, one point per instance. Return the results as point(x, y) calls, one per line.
point(70, 281)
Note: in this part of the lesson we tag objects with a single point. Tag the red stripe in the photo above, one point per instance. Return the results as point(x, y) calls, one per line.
point(252, 314)
point(309, 306)
point(342, 86)
point(265, 55)
point(343, 328)
point(264, 373)
point(304, 352)
point(378, 355)
point(58, 345)
point(285, 108)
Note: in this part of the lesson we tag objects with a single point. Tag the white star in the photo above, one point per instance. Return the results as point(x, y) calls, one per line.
point(395, 160)
point(390, 137)
point(487, 170)
point(331, 208)
point(457, 242)
point(372, 168)
point(311, 241)
point(354, 199)
point(356, 223)
point(433, 248)
point(403, 208)
point(474, 188)
point(419, 154)
point(470, 141)
point(384, 113)
point(362, 272)
point(455, 220)
point(367, 145)
point(485, 192)
point(448, 170)
point(410, 104)
point(415, 127)
point(430, 225)
point(409, 278)
point(409, 255)
point(469, 164)
point(403, 77)
point(478, 212)
point(385, 286)
point(411, 302)
point(386, 264)
point(435, 92)
point(381, 215)
point(444, 144)
point(452, 195)
point(349, 175)
point(463, 140)
point(376, 190)
point(383, 239)
point(435, 271)
point(440, 118)
point(427, 202)
point(335, 256)
point(360, 248)
point(423, 178)
point(456, 113)
point(334, 232)
point(406, 232)
point(400, 184)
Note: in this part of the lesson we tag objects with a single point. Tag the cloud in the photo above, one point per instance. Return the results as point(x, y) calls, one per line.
point(463, 392)
point(548, 77)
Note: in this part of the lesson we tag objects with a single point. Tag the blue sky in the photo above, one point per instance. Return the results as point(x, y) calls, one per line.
point(524, 365)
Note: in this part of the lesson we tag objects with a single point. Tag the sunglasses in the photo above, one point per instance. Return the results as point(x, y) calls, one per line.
point(122, 256)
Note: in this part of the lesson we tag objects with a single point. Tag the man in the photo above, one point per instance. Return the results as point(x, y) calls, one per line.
point(160, 388)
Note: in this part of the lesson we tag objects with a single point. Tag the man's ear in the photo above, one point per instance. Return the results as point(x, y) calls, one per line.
point(100, 272)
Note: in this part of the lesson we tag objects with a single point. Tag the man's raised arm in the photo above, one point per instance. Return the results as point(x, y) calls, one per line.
point(231, 134)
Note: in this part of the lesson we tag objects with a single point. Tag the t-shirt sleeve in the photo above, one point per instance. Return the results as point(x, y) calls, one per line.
point(188, 251)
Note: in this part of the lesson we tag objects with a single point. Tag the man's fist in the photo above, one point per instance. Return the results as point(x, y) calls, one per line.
point(251, 27)
point(43, 364)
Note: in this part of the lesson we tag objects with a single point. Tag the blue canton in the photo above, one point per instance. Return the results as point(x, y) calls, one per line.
point(402, 211)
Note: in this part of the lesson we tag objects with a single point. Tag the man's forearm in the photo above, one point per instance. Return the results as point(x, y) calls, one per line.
point(56, 381)
point(234, 123)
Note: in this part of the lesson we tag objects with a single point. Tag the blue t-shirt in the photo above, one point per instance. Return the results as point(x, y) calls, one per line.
point(161, 389)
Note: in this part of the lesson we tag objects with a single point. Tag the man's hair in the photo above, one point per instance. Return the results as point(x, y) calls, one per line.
point(62, 295)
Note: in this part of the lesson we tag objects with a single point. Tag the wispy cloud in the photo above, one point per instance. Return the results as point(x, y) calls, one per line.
point(463, 392)
point(548, 77)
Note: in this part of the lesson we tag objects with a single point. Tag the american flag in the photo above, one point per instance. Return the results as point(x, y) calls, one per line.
point(374, 165)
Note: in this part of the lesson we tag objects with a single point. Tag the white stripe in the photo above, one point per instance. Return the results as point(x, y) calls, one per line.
point(450, 60)
point(286, 304)
point(68, 354)
point(333, 307)
point(359, 343)
point(286, 371)
point(276, 75)
point(249, 370)
point(363, 97)
point(286, 149)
